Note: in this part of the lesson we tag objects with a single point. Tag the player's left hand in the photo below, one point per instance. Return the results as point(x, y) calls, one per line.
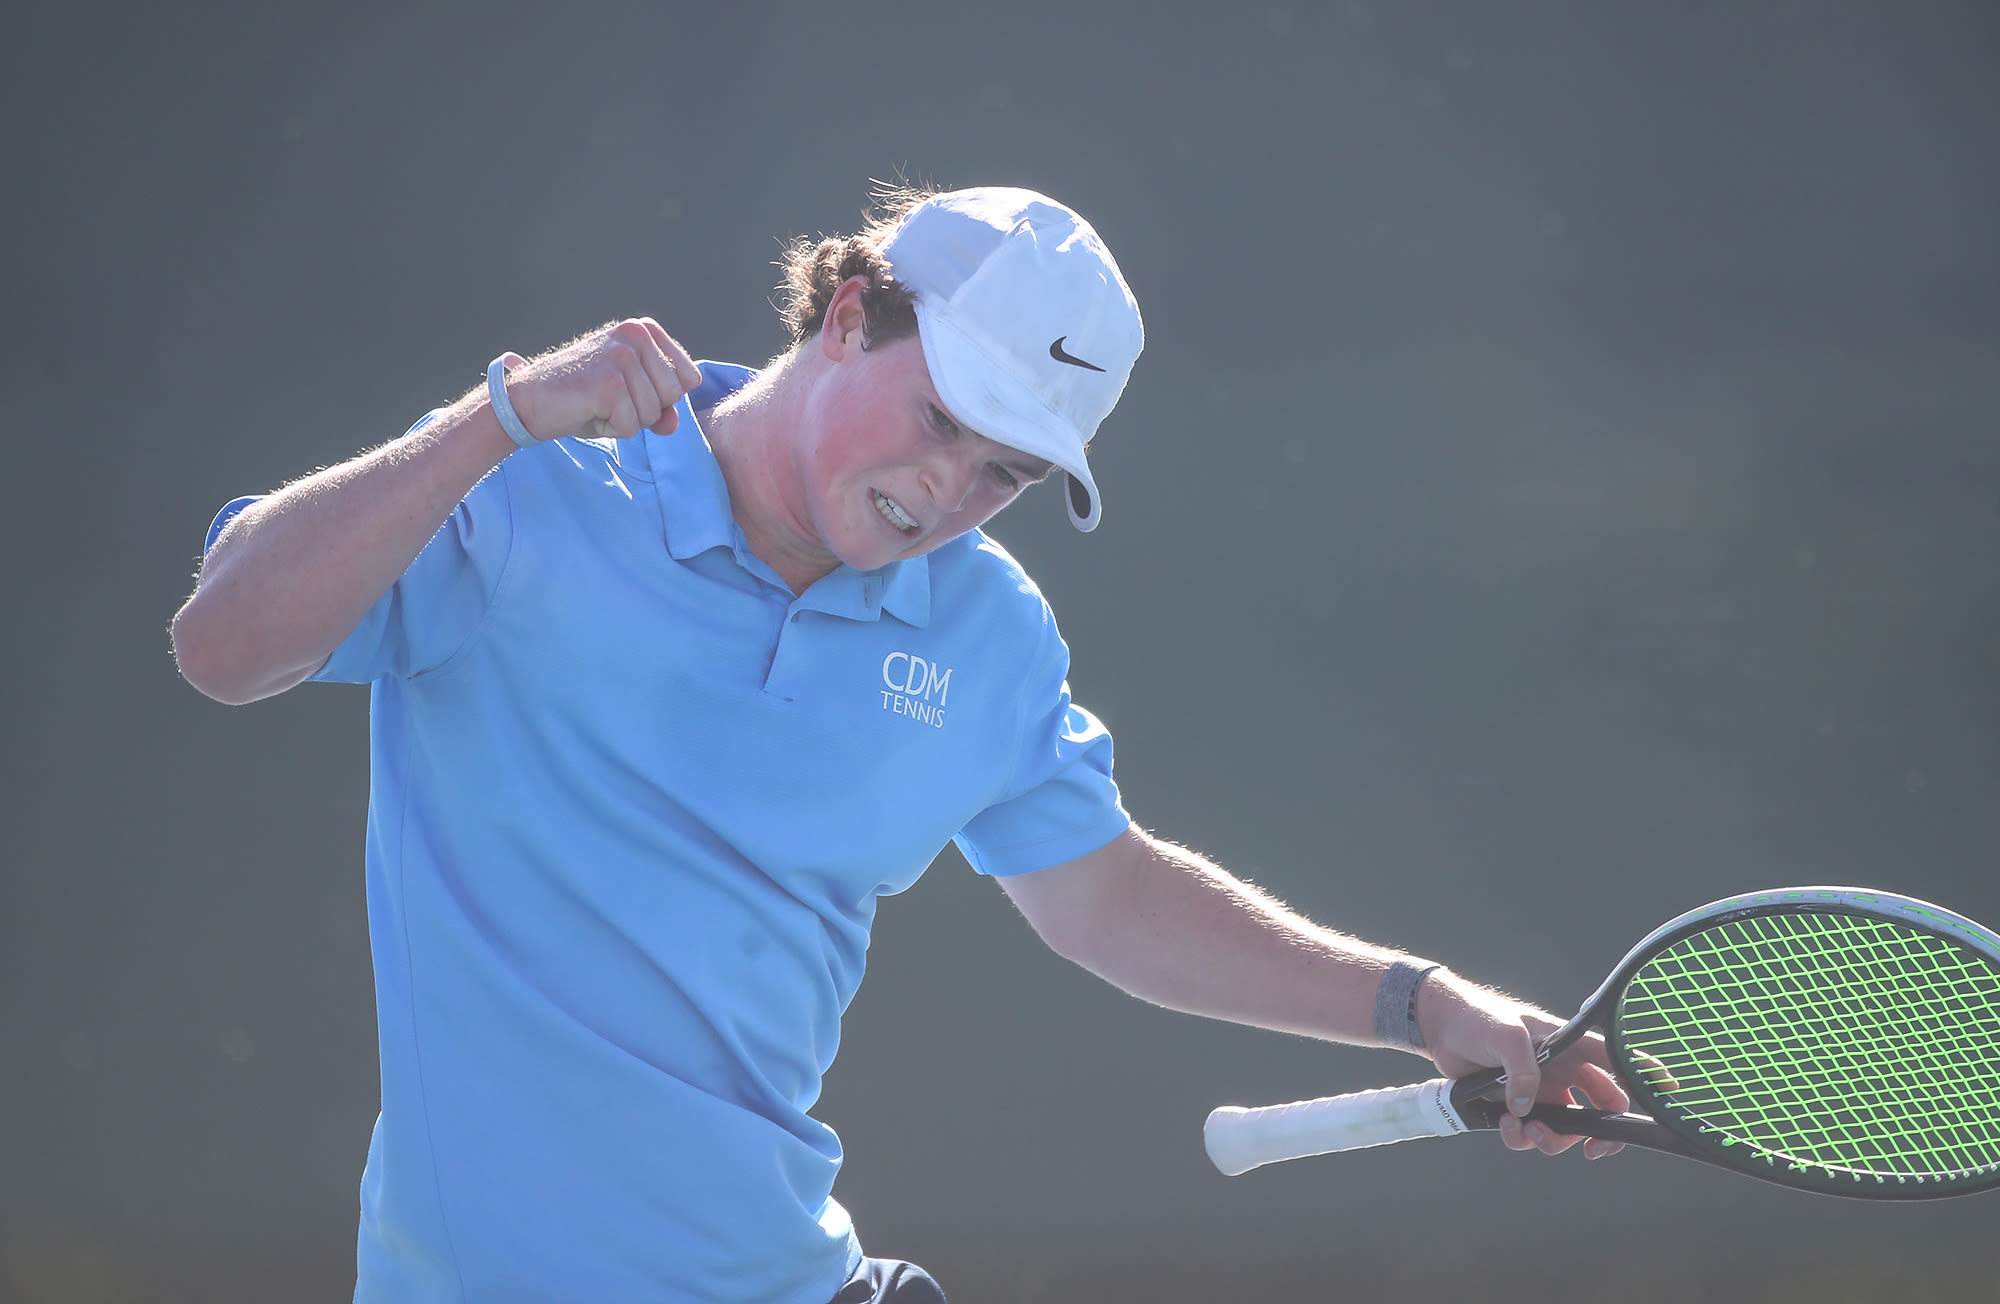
point(1467, 1027)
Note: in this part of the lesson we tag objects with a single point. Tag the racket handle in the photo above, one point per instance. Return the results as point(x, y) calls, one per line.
point(1240, 1139)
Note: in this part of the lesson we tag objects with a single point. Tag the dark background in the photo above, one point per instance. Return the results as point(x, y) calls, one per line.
point(1562, 487)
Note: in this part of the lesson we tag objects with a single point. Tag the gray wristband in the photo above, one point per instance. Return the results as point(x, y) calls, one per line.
point(1396, 1005)
point(503, 407)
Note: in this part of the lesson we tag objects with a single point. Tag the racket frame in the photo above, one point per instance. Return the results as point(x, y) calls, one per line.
point(1475, 1099)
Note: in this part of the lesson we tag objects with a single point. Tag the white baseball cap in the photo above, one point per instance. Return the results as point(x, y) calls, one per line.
point(1026, 323)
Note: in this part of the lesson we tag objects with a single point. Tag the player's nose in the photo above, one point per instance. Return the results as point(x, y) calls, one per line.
point(951, 479)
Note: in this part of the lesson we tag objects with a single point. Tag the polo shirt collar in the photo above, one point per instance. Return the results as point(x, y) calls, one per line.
point(694, 499)
point(694, 503)
point(906, 590)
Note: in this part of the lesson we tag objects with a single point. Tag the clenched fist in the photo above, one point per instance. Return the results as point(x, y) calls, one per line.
point(610, 383)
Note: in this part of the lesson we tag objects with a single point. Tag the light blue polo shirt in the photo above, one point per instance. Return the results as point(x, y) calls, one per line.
point(631, 805)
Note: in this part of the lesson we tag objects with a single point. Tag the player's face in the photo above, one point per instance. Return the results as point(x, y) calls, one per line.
point(888, 472)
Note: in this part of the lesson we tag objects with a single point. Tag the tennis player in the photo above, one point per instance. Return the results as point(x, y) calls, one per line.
point(677, 667)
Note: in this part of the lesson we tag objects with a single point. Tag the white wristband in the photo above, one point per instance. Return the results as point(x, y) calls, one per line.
point(503, 407)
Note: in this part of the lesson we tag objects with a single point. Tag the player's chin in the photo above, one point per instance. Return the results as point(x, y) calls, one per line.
point(870, 545)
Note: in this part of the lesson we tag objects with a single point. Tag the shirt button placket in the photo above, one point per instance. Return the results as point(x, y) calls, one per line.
point(778, 682)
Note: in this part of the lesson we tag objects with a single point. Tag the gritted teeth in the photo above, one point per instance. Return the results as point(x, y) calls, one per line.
point(891, 513)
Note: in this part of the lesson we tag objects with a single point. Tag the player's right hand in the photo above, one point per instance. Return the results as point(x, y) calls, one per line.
point(1468, 1027)
point(613, 382)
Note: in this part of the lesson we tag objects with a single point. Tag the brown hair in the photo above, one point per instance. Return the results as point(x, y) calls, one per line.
point(815, 269)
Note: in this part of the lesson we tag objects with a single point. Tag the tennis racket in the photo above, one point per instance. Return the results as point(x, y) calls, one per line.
point(1829, 1039)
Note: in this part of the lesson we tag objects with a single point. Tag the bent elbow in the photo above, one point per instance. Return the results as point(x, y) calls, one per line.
point(194, 652)
point(201, 654)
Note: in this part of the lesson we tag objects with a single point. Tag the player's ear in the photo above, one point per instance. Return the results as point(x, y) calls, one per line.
point(840, 335)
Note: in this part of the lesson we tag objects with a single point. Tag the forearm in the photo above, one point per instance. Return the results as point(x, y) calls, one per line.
point(295, 572)
point(1184, 933)
point(1170, 927)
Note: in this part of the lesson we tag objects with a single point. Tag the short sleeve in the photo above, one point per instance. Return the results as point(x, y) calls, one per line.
point(1061, 802)
point(437, 605)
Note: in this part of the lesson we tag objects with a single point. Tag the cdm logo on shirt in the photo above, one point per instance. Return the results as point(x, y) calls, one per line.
point(910, 684)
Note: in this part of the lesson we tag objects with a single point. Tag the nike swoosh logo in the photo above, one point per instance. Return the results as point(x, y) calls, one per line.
point(1056, 352)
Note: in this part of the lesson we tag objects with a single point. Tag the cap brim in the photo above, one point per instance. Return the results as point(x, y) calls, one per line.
point(982, 395)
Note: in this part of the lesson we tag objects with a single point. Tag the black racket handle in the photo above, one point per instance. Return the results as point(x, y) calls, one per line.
point(1570, 1120)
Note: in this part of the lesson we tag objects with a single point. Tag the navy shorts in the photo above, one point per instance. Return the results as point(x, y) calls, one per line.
point(889, 1281)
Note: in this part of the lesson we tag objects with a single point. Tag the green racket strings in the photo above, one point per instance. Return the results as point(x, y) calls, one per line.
point(1839, 1042)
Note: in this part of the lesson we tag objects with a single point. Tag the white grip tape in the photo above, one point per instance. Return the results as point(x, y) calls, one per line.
point(1240, 1139)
